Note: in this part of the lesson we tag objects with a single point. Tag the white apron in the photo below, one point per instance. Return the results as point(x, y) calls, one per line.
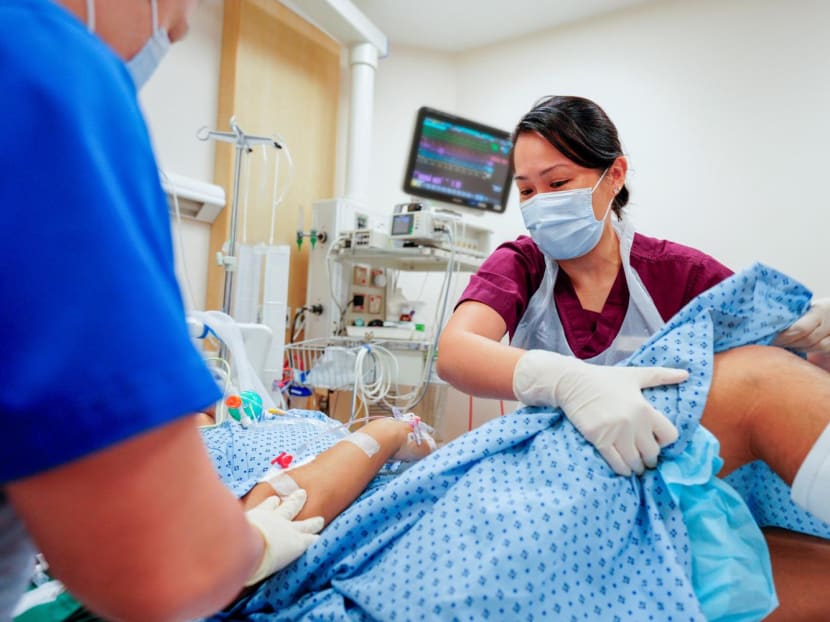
point(541, 329)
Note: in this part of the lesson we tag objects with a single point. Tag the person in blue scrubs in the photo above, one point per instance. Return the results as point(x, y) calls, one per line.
point(102, 468)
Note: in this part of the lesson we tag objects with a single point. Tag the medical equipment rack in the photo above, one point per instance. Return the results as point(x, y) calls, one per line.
point(306, 359)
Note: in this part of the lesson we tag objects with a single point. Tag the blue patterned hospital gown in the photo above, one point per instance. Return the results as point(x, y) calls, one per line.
point(521, 519)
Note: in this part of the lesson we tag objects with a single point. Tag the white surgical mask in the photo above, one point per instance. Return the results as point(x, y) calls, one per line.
point(144, 63)
point(562, 223)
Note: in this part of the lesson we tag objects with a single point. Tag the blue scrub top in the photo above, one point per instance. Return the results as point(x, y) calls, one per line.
point(94, 343)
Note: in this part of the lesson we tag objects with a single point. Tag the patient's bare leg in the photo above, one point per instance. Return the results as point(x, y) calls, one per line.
point(801, 569)
point(766, 403)
point(337, 476)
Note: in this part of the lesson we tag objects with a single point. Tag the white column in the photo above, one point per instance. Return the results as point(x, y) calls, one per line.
point(363, 62)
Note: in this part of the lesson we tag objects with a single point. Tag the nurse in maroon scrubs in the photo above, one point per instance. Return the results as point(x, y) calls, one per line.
point(584, 291)
point(581, 293)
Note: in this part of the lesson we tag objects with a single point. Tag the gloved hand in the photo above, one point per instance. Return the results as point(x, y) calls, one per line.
point(606, 404)
point(285, 539)
point(811, 332)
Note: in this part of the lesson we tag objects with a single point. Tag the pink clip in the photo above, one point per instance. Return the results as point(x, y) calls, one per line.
point(283, 460)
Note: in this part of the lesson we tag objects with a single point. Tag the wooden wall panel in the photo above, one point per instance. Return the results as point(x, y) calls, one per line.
point(279, 75)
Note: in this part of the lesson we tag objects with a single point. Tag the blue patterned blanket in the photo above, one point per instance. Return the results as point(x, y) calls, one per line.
point(521, 519)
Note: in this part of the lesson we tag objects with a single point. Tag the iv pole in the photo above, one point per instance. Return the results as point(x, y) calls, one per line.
point(244, 144)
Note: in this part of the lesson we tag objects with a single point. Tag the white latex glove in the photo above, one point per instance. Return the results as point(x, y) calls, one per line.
point(811, 332)
point(285, 539)
point(606, 404)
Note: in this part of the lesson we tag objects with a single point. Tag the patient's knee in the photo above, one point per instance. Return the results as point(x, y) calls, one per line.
point(746, 378)
point(755, 368)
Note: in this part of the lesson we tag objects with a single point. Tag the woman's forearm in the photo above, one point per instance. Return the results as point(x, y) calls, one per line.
point(477, 365)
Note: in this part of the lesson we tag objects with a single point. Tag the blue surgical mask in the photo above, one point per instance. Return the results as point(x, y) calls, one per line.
point(562, 223)
point(144, 63)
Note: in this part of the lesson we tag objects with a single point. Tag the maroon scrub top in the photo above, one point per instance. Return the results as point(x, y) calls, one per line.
point(672, 274)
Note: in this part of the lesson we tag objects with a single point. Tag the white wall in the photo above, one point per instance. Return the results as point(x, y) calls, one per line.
point(721, 106)
point(406, 80)
point(180, 98)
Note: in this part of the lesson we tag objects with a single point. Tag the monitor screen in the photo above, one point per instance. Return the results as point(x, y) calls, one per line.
point(402, 223)
point(458, 161)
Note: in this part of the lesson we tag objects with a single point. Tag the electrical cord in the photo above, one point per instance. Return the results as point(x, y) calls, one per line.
point(341, 323)
point(335, 245)
point(288, 183)
point(299, 313)
point(415, 396)
point(190, 303)
point(373, 385)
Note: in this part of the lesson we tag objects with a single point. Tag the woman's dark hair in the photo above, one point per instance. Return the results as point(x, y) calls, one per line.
point(580, 130)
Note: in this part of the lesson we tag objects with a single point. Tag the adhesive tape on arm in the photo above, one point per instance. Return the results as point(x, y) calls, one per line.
point(282, 483)
point(365, 442)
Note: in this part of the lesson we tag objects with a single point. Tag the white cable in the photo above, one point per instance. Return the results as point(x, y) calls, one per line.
point(274, 199)
point(190, 304)
point(384, 368)
point(380, 391)
point(277, 200)
point(440, 314)
point(374, 391)
point(335, 245)
point(413, 397)
point(423, 287)
point(385, 364)
point(299, 329)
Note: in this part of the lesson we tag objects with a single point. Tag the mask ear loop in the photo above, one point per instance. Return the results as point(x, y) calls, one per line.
point(611, 202)
point(155, 10)
point(599, 181)
point(90, 15)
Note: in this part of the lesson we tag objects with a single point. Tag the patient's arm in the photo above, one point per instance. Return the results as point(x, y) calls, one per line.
point(337, 476)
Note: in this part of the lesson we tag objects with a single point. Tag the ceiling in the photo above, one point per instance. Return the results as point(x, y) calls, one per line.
point(460, 25)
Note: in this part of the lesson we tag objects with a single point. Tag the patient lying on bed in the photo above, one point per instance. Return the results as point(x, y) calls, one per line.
point(522, 519)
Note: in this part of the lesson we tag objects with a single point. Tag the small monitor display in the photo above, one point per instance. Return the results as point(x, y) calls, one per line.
point(402, 224)
point(458, 161)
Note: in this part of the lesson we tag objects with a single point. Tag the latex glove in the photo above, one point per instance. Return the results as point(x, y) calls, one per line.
point(811, 332)
point(606, 404)
point(285, 539)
